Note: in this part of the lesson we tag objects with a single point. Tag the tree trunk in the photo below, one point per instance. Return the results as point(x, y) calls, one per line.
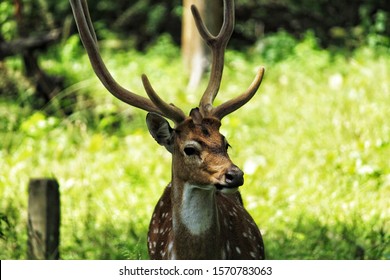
point(194, 50)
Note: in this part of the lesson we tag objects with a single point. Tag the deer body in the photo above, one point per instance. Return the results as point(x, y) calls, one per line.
point(200, 214)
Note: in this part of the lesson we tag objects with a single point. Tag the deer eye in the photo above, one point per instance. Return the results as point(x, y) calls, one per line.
point(192, 149)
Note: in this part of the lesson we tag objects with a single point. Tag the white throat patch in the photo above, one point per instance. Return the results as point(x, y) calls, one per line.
point(198, 208)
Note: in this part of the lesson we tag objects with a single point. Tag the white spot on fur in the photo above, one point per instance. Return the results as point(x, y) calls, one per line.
point(173, 256)
point(228, 247)
point(238, 250)
point(225, 222)
point(170, 247)
point(171, 253)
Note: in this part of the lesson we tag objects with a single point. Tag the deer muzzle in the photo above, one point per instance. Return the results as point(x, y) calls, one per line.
point(232, 179)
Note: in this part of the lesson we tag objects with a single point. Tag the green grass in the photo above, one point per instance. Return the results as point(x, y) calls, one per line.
point(314, 144)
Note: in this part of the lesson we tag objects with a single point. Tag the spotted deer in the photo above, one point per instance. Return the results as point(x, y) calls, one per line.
point(200, 214)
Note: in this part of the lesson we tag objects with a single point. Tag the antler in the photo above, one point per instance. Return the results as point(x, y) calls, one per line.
point(88, 37)
point(218, 45)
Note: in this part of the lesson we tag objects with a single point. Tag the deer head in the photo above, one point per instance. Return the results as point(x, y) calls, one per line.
point(199, 151)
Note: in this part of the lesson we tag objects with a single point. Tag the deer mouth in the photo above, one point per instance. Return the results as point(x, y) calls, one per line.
point(226, 188)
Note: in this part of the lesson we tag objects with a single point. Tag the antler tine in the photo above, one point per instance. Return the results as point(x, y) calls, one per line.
point(88, 37)
point(234, 104)
point(169, 110)
point(218, 45)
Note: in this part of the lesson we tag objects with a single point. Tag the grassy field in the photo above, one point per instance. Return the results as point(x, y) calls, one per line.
point(314, 144)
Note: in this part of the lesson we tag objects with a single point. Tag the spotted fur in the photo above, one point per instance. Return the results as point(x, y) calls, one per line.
point(238, 238)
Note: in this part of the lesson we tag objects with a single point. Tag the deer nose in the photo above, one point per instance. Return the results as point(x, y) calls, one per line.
point(234, 177)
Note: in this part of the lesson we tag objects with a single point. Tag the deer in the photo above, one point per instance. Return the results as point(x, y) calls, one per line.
point(200, 214)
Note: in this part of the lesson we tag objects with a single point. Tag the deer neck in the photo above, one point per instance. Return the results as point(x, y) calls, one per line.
point(195, 222)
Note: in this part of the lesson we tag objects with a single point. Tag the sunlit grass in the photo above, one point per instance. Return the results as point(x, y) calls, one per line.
point(314, 144)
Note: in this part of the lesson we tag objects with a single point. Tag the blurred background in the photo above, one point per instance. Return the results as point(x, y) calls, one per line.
point(314, 142)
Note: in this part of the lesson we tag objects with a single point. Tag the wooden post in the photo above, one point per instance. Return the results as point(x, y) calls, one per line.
point(43, 219)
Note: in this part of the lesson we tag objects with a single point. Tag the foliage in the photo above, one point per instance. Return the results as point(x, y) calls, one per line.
point(277, 47)
point(346, 24)
point(336, 23)
point(7, 24)
point(314, 144)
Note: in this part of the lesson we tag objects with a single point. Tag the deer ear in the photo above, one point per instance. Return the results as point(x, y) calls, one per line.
point(160, 129)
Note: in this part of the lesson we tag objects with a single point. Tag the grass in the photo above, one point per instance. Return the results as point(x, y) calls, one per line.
point(314, 144)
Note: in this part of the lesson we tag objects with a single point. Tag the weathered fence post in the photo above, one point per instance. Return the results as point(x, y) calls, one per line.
point(43, 219)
